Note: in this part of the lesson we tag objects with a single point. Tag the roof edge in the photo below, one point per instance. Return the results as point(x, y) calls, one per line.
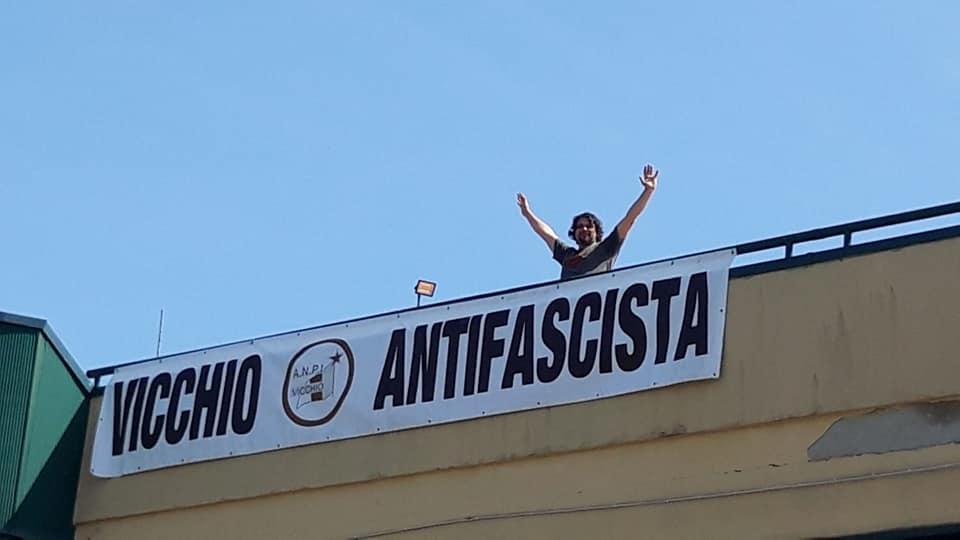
point(44, 327)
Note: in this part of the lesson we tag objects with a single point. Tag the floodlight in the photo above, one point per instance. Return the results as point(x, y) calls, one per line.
point(424, 288)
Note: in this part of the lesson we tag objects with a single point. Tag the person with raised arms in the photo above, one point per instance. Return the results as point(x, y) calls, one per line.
point(594, 253)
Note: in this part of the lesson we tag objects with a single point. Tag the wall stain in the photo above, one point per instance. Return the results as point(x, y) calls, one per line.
point(891, 429)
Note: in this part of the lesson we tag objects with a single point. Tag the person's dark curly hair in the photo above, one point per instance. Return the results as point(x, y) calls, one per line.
point(593, 219)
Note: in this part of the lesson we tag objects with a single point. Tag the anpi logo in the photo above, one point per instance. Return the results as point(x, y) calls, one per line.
point(318, 379)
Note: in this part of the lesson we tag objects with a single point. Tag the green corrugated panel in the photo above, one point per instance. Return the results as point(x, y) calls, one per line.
point(51, 449)
point(17, 353)
point(54, 400)
point(46, 512)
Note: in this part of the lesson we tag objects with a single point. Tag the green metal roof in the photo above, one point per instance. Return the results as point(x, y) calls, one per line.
point(45, 400)
point(40, 324)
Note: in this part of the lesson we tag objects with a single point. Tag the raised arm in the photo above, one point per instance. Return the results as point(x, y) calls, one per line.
point(649, 181)
point(542, 229)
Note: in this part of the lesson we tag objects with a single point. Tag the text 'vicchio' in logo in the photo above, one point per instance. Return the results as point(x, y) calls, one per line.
point(318, 379)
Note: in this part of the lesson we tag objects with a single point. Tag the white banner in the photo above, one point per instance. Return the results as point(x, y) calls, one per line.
point(591, 338)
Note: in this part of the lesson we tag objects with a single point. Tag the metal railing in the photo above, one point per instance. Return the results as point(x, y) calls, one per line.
point(846, 231)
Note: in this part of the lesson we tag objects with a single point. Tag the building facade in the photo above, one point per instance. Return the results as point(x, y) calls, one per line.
point(837, 413)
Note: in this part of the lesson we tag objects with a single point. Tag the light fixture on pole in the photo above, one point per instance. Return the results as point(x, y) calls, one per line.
point(424, 288)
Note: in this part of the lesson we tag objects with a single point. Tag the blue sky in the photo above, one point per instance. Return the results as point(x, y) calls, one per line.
point(254, 168)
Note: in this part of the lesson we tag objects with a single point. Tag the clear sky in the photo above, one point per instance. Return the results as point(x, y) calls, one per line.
point(254, 168)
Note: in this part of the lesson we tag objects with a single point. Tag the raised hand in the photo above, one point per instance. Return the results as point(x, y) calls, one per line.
point(649, 181)
point(649, 178)
point(523, 204)
point(542, 229)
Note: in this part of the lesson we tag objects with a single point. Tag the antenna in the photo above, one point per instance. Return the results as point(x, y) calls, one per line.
point(159, 332)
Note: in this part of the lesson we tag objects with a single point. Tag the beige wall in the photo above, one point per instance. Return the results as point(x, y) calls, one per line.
point(804, 347)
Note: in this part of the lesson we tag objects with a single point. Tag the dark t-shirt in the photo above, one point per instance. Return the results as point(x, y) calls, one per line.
point(593, 259)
